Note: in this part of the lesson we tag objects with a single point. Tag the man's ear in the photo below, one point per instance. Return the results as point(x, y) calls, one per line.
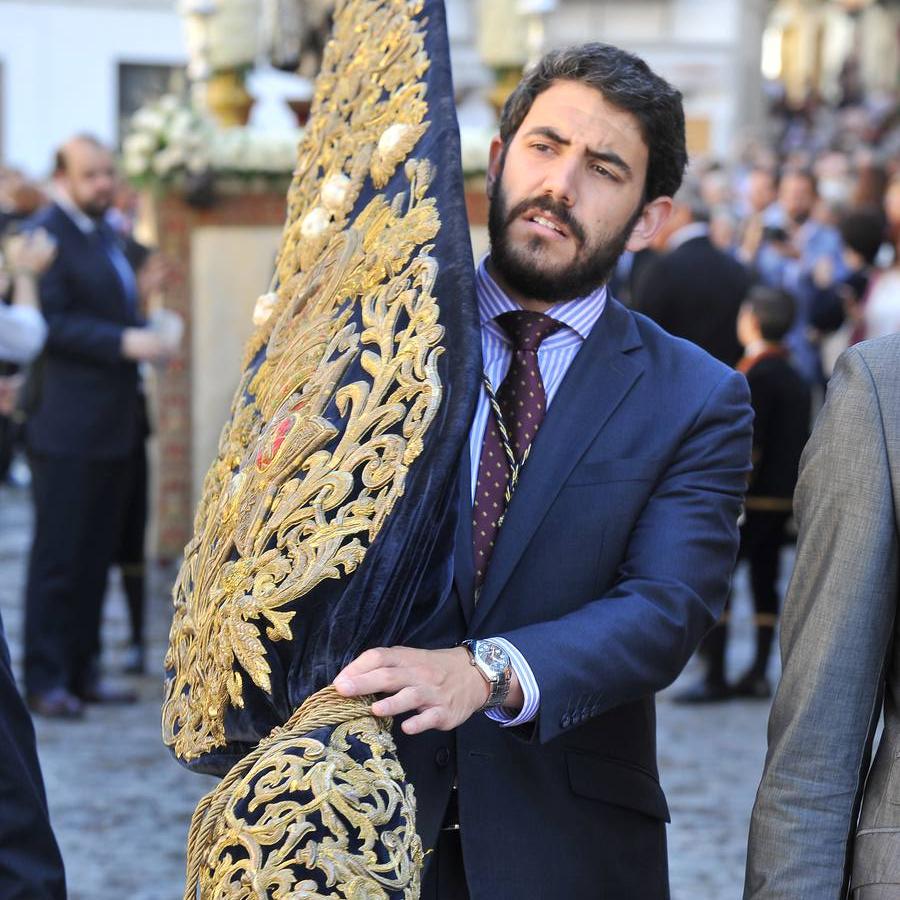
point(495, 158)
point(653, 218)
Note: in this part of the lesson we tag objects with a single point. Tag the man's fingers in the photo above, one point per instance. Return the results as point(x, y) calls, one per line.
point(378, 658)
point(406, 700)
point(365, 662)
point(420, 681)
point(378, 681)
point(433, 717)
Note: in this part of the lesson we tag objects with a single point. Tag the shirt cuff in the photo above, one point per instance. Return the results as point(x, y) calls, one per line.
point(527, 682)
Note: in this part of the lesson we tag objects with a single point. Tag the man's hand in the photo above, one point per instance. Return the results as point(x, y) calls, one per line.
point(442, 686)
point(145, 345)
point(155, 274)
point(31, 253)
point(10, 386)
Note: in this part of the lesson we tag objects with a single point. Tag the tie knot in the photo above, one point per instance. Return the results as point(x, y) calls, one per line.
point(527, 329)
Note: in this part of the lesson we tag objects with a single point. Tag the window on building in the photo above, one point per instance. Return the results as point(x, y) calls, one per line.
point(141, 83)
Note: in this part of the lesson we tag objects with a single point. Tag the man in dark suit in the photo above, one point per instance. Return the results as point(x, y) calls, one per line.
point(620, 527)
point(693, 289)
point(83, 432)
point(782, 408)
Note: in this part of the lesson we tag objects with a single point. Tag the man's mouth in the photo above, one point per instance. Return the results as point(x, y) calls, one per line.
point(547, 222)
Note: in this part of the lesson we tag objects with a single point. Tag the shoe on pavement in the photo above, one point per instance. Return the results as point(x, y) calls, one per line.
point(704, 692)
point(57, 703)
point(753, 687)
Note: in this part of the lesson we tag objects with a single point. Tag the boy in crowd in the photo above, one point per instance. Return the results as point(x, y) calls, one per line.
point(781, 403)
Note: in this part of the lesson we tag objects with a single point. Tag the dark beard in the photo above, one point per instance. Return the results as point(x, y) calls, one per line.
point(97, 209)
point(591, 267)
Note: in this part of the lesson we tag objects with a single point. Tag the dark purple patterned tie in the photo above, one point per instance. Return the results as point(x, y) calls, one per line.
point(523, 403)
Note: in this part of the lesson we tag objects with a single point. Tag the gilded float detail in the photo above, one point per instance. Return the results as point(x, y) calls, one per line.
point(340, 384)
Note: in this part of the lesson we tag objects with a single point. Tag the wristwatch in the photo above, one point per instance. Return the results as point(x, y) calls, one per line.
point(492, 661)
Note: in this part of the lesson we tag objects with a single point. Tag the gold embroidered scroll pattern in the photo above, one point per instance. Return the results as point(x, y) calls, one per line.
point(300, 807)
point(286, 512)
point(291, 499)
point(367, 114)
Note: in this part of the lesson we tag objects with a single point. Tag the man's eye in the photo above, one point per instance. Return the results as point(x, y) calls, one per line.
point(602, 170)
point(541, 148)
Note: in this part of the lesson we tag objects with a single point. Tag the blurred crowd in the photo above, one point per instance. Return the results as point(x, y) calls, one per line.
point(814, 210)
point(775, 262)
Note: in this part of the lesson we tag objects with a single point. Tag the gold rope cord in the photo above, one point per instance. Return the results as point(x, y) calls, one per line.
point(254, 836)
point(292, 500)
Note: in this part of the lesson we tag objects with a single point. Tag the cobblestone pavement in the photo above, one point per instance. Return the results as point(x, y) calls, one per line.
point(121, 806)
point(711, 760)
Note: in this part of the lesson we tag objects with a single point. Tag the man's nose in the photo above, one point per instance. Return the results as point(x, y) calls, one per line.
point(560, 181)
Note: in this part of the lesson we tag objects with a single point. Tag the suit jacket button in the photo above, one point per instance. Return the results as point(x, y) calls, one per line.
point(442, 757)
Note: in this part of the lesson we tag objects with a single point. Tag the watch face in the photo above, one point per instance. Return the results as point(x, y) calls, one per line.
point(493, 656)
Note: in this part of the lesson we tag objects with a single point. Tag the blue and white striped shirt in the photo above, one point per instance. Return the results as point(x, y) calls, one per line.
point(555, 355)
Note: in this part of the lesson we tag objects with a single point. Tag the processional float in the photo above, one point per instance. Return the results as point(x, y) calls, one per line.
point(332, 502)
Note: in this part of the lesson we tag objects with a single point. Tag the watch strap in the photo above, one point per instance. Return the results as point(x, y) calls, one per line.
point(498, 681)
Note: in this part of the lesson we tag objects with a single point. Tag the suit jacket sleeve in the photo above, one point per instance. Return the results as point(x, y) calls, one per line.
point(75, 333)
point(837, 623)
point(673, 579)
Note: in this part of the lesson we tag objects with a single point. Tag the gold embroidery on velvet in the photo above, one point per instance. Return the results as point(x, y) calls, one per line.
point(290, 501)
point(298, 806)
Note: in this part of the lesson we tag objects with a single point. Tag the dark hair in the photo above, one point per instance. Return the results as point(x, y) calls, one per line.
point(627, 82)
point(862, 230)
point(61, 157)
point(774, 310)
point(800, 172)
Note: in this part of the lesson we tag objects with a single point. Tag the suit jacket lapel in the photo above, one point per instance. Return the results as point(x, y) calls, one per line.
point(597, 381)
point(91, 244)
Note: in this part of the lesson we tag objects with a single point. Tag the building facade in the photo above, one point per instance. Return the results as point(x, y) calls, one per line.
point(70, 66)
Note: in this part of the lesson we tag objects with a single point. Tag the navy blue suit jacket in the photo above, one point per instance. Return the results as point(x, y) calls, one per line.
point(614, 559)
point(86, 402)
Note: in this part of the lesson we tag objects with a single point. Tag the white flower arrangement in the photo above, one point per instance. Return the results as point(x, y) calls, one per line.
point(252, 151)
point(168, 140)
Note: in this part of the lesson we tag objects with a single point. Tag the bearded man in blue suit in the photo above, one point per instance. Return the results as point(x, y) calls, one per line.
point(599, 498)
